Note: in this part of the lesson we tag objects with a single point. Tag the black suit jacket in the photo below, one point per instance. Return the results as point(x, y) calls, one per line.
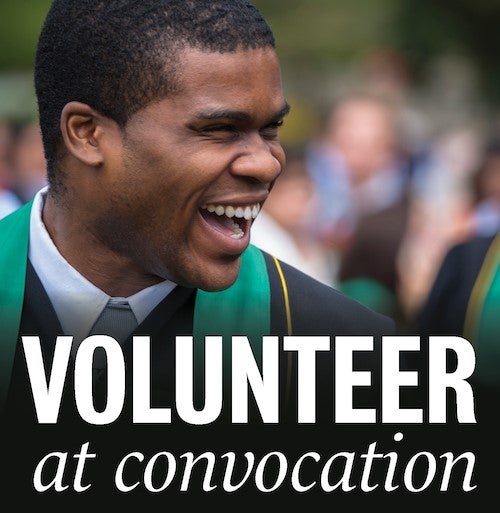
point(443, 313)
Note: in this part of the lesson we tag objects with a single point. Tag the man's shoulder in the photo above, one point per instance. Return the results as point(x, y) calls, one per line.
point(460, 267)
point(470, 251)
point(317, 308)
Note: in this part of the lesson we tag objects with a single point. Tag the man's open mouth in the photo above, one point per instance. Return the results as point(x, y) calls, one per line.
point(230, 220)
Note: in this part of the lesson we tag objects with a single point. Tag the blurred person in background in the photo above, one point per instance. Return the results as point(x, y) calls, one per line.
point(368, 268)
point(485, 218)
point(281, 228)
point(360, 171)
point(439, 213)
point(463, 301)
point(464, 296)
point(29, 169)
point(8, 200)
point(355, 165)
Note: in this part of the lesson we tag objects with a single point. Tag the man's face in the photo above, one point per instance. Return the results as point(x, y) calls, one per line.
point(193, 169)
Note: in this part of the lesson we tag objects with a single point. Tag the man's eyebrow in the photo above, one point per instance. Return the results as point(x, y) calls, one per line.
point(237, 115)
point(282, 112)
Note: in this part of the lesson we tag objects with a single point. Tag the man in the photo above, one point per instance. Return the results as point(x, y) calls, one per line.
point(463, 301)
point(160, 127)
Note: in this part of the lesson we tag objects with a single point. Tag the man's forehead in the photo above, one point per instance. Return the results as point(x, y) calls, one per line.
point(230, 85)
point(195, 63)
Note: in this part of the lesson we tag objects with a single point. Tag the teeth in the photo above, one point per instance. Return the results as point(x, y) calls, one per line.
point(248, 212)
point(238, 232)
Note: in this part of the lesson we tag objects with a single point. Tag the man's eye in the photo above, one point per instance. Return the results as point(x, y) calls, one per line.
point(221, 133)
point(272, 129)
point(220, 128)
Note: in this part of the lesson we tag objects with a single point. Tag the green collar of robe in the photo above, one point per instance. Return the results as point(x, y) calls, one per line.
point(242, 309)
point(482, 320)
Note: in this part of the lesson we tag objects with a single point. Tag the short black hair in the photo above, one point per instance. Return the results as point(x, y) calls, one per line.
point(120, 55)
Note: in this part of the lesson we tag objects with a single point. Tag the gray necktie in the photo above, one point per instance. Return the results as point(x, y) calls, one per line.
point(116, 320)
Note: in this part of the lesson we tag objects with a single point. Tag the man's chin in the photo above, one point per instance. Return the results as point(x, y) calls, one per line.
point(219, 277)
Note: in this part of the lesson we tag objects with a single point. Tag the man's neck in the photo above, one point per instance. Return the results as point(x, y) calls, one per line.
point(113, 273)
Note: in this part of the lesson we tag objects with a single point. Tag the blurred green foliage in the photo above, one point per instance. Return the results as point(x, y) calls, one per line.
point(20, 24)
point(316, 32)
point(315, 37)
point(426, 28)
point(313, 31)
point(324, 32)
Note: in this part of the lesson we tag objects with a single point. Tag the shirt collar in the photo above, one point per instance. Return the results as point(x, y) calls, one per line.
point(76, 301)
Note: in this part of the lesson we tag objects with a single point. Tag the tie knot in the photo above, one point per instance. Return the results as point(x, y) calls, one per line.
point(116, 320)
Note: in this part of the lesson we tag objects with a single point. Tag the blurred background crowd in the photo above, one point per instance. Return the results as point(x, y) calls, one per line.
point(393, 140)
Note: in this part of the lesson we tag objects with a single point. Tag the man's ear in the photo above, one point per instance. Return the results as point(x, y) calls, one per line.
point(83, 130)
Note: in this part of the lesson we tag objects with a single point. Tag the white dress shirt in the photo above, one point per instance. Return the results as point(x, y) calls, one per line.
point(76, 301)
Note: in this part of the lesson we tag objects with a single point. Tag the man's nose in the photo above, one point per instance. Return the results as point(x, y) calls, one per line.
point(260, 159)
